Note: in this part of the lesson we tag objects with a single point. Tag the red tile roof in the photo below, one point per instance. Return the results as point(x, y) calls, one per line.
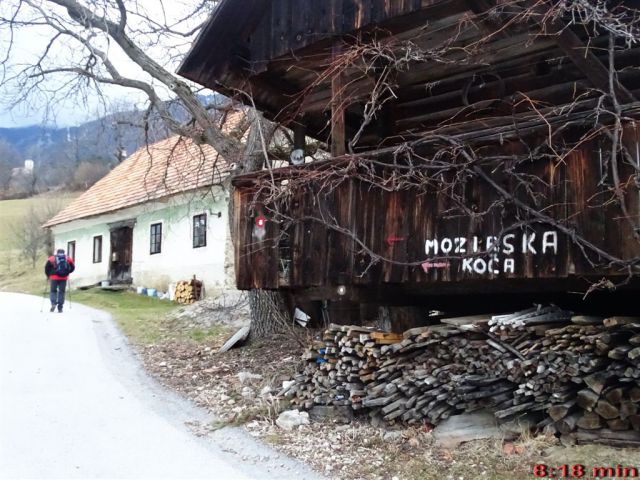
point(168, 167)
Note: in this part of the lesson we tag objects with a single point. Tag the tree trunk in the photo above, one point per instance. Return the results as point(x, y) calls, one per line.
point(268, 313)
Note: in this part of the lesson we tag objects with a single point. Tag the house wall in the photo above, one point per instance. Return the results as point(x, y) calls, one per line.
point(86, 272)
point(178, 260)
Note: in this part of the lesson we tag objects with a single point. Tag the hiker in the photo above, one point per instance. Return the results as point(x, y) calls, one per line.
point(57, 270)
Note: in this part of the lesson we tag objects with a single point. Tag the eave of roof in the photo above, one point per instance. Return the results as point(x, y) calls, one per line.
point(229, 22)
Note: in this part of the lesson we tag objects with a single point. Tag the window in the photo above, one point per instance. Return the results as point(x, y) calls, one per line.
point(71, 250)
point(97, 249)
point(200, 231)
point(155, 238)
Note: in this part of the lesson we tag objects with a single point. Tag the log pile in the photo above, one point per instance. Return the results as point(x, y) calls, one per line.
point(579, 375)
point(188, 292)
point(588, 378)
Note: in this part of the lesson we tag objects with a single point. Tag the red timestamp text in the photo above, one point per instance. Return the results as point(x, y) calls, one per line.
point(581, 471)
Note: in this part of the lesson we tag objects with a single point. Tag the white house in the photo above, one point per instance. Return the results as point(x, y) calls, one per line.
point(27, 170)
point(159, 217)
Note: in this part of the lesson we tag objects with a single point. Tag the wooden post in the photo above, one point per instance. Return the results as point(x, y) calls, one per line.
point(300, 137)
point(338, 133)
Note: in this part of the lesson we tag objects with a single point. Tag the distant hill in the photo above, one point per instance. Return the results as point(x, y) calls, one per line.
point(22, 138)
point(98, 140)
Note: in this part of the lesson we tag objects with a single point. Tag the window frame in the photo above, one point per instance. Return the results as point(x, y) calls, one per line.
point(155, 239)
point(199, 232)
point(71, 250)
point(97, 253)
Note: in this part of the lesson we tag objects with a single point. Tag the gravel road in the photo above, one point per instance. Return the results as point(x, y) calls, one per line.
point(76, 403)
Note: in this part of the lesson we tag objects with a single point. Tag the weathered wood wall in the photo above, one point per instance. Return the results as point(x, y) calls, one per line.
point(398, 225)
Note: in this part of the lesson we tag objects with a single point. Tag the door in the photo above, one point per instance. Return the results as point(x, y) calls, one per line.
point(120, 259)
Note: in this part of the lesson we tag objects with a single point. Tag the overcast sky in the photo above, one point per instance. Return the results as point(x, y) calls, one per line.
point(29, 43)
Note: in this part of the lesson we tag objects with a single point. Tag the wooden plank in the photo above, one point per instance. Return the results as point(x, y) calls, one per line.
point(468, 320)
point(579, 53)
point(620, 320)
point(416, 331)
point(386, 338)
point(587, 320)
point(236, 339)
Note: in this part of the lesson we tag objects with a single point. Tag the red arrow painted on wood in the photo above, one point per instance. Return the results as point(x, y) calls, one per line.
point(391, 240)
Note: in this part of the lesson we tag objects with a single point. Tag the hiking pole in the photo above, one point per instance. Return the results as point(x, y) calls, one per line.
point(69, 292)
point(44, 294)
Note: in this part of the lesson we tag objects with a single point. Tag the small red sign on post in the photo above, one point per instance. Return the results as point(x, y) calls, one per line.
point(259, 230)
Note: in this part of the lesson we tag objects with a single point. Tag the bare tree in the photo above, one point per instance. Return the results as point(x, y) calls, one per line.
point(98, 33)
point(96, 45)
point(88, 173)
point(9, 159)
point(29, 236)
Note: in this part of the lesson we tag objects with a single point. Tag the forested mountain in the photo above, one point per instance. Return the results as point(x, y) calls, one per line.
point(75, 157)
point(98, 140)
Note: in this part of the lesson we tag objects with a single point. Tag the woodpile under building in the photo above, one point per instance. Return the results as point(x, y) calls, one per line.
point(576, 376)
point(446, 154)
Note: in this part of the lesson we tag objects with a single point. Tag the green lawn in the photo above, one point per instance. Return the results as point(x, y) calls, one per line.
point(140, 317)
point(144, 319)
point(16, 273)
point(13, 210)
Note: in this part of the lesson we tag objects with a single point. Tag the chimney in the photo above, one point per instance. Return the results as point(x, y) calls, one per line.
point(121, 154)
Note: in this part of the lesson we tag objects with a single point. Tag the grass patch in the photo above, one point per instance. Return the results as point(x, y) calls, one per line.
point(141, 318)
point(12, 211)
point(16, 273)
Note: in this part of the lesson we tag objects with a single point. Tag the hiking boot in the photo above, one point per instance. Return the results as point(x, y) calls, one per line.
point(59, 309)
point(53, 307)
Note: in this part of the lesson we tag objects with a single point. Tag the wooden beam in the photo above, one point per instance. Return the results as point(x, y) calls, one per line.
point(580, 54)
point(569, 43)
point(338, 123)
point(480, 7)
point(589, 64)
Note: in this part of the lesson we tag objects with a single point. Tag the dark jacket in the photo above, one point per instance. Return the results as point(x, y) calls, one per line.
point(50, 268)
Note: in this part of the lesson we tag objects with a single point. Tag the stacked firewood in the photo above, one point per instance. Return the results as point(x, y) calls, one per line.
point(435, 372)
point(338, 367)
point(587, 377)
point(579, 375)
point(188, 292)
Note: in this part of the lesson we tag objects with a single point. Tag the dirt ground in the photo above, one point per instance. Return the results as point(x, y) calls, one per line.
point(353, 451)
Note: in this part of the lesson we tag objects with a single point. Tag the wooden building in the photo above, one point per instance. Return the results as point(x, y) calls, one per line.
point(477, 147)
